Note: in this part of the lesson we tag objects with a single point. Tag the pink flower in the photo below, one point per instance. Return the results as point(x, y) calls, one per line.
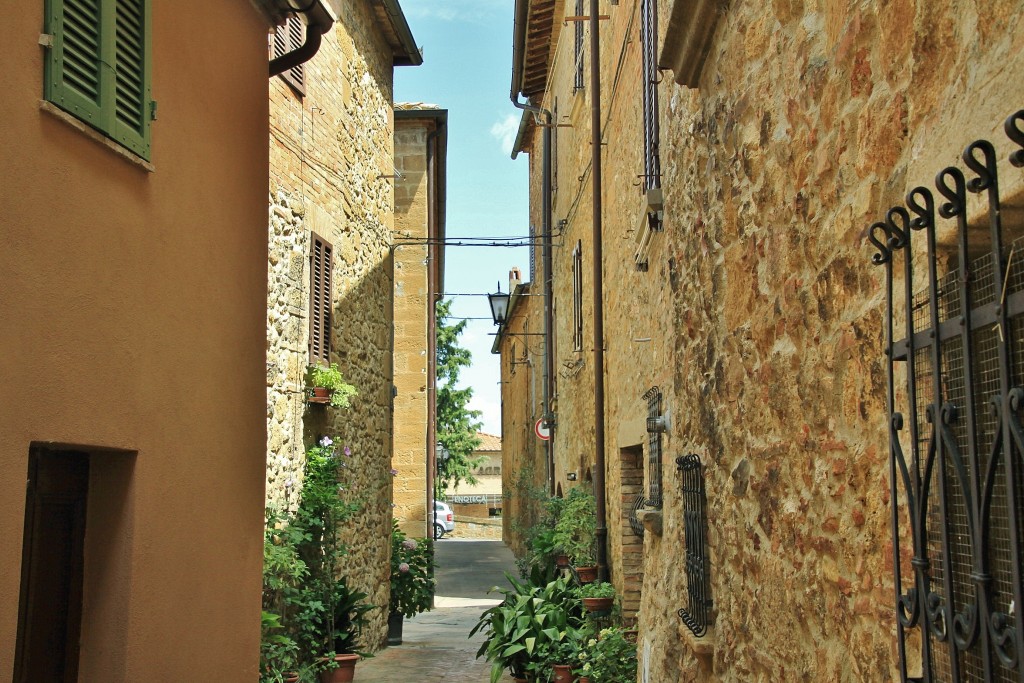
point(409, 544)
point(404, 567)
point(347, 450)
point(393, 471)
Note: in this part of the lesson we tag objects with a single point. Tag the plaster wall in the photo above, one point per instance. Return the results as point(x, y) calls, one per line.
point(329, 151)
point(133, 308)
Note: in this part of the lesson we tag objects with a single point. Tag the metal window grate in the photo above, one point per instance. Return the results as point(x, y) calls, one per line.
point(957, 460)
point(654, 429)
point(577, 83)
point(649, 78)
point(697, 614)
point(577, 297)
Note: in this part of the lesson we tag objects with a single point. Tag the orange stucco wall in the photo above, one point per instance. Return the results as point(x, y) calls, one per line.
point(132, 316)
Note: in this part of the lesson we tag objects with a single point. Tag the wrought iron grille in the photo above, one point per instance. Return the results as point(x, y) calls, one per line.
point(634, 520)
point(955, 397)
point(697, 614)
point(649, 76)
point(577, 297)
point(654, 429)
point(577, 54)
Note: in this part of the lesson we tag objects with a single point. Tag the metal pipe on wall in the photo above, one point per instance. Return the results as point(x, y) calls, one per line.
point(432, 295)
point(599, 427)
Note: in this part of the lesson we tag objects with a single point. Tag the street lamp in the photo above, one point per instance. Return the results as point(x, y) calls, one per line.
point(499, 305)
point(441, 458)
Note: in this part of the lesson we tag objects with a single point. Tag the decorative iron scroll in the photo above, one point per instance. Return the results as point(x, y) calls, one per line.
point(697, 614)
point(634, 521)
point(956, 462)
point(655, 426)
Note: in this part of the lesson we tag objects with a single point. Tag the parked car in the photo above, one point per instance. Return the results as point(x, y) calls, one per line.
point(444, 519)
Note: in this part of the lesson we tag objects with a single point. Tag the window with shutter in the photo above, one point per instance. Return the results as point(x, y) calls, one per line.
point(320, 300)
point(98, 67)
point(287, 38)
point(649, 77)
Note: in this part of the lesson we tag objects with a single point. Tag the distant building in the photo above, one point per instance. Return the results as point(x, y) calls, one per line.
point(421, 144)
point(484, 498)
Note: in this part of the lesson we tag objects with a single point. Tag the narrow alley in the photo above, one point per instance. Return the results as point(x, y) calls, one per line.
point(436, 646)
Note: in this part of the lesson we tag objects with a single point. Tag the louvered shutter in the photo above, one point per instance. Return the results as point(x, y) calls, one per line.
point(73, 79)
point(99, 68)
point(131, 92)
point(319, 300)
point(290, 37)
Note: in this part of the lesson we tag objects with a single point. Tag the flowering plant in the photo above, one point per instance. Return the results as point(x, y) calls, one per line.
point(609, 659)
point(412, 573)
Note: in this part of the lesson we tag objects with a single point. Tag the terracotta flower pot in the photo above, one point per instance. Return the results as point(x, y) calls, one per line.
point(321, 396)
point(598, 604)
point(562, 561)
point(586, 574)
point(584, 679)
point(345, 672)
point(563, 673)
point(291, 677)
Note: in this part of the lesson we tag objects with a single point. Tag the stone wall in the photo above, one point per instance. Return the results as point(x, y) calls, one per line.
point(411, 311)
point(760, 315)
point(328, 152)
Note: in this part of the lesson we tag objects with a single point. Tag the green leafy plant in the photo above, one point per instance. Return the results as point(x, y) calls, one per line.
point(457, 424)
point(329, 377)
point(542, 549)
point(576, 526)
point(348, 610)
point(412, 573)
point(278, 651)
point(526, 626)
point(612, 658)
point(302, 562)
point(598, 589)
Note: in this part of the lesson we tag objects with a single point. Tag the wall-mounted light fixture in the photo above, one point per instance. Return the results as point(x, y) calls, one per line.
point(499, 305)
point(571, 476)
point(656, 425)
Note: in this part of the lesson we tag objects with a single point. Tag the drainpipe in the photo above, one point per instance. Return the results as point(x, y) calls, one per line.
point(319, 24)
point(547, 123)
point(595, 144)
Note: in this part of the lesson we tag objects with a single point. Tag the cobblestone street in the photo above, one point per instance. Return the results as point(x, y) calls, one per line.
point(436, 645)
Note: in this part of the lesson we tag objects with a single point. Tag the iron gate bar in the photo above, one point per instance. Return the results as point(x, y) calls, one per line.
point(982, 636)
point(697, 615)
point(981, 317)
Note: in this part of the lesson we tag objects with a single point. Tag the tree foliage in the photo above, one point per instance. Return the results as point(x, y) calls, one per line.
point(457, 425)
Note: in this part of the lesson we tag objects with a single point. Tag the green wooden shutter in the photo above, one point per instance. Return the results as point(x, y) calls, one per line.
point(99, 66)
point(130, 125)
point(73, 79)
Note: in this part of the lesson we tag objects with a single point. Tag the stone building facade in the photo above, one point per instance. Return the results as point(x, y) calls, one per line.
point(748, 315)
point(133, 275)
point(421, 139)
point(331, 216)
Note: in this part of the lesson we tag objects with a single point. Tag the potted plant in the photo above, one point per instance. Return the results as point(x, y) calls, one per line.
point(576, 531)
point(523, 628)
point(343, 625)
point(597, 597)
point(328, 387)
point(612, 657)
point(412, 580)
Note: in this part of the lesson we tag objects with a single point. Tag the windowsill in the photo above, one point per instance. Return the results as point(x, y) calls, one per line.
point(703, 646)
point(96, 136)
point(652, 521)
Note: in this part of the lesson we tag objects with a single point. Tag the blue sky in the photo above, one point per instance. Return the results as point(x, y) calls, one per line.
point(467, 69)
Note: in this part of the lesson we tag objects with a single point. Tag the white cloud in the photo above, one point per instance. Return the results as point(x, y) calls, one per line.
point(505, 132)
